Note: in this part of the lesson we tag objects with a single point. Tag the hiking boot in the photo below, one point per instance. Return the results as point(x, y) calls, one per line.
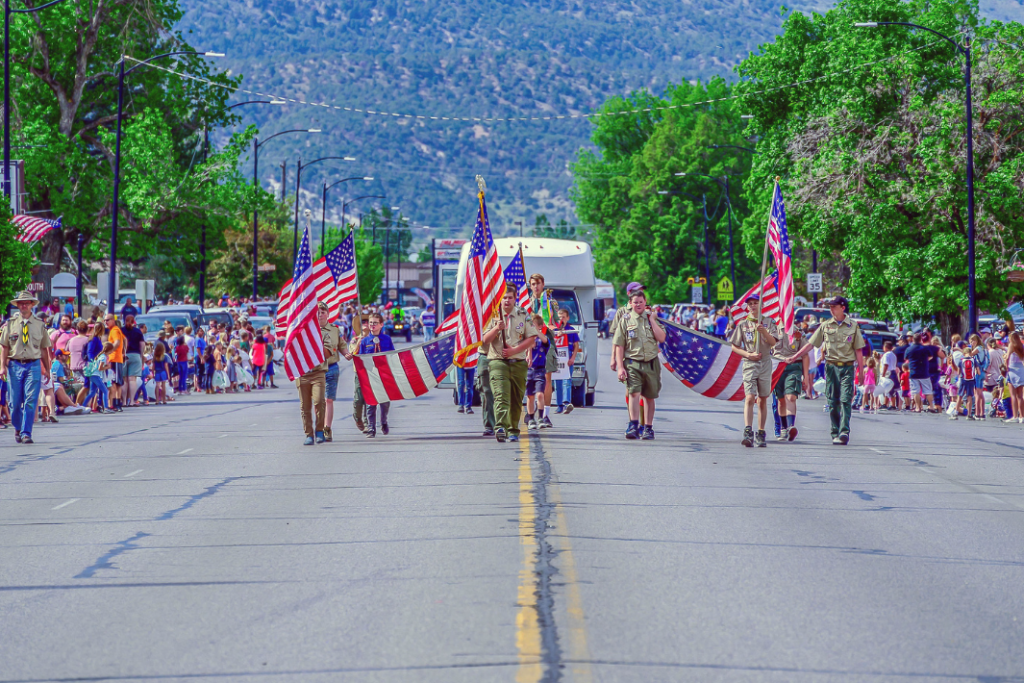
point(761, 439)
point(532, 424)
point(748, 437)
point(545, 423)
point(499, 434)
point(632, 431)
point(647, 434)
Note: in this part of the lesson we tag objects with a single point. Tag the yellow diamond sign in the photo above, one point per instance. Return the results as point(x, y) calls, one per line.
point(725, 292)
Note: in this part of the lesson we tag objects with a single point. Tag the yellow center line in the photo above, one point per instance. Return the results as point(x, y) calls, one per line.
point(527, 627)
point(578, 651)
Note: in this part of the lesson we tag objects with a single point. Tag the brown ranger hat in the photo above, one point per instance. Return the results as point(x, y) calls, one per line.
point(25, 295)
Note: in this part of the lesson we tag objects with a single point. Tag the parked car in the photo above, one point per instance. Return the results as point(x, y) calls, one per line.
point(192, 311)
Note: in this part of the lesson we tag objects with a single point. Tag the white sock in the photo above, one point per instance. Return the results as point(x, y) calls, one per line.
point(545, 411)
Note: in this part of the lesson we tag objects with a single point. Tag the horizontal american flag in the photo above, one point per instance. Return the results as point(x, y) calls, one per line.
point(33, 229)
point(336, 278)
point(705, 364)
point(408, 373)
point(769, 305)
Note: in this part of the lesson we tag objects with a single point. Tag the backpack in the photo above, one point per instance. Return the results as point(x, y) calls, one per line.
point(92, 368)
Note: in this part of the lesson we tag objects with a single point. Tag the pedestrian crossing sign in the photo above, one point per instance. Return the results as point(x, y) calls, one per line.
point(725, 289)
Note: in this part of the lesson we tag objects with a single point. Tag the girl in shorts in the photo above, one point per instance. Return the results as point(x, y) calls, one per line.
point(161, 373)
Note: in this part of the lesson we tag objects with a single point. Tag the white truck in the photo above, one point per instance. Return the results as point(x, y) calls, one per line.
point(568, 270)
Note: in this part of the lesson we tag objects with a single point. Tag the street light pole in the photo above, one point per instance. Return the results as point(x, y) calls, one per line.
point(707, 247)
point(323, 215)
point(965, 50)
point(298, 187)
point(78, 288)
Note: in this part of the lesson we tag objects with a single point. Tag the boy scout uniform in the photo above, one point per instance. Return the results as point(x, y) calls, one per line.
point(791, 381)
point(312, 386)
point(757, 374)
point(25, 339)
point(332, 342)
point(640, 354)
point(508, 375)
point(841, 340)
point(482, 381)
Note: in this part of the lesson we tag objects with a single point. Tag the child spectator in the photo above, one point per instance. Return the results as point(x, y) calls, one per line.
point(870, 380)
point(905, 385)
point(181, 353)
point(161, 373)
point(94, 371)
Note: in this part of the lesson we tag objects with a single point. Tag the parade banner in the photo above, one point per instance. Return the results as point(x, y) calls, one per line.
point(411, 372)
point(706, 364)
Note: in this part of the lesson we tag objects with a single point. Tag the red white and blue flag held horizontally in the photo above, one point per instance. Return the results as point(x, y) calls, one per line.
point(304, 343)
point(408, 373)
point(705, 364)
point(778, 244)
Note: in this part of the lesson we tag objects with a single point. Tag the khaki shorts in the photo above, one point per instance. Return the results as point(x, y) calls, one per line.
point(757, 378)
point(643, 378)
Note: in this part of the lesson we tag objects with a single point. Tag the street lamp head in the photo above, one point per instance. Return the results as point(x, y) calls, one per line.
point(867, 24)
point(213, 54)
point(369, 177)
point(314, 130)
point(664, 191)
point(278, 101)
point(349, 158)
point(746, 116)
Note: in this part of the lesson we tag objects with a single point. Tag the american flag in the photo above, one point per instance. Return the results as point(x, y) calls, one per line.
point(515, 275)
point(705, 364)
point(303, 344)
point(484, 286)
point(408, 373)
point(33, 229)
point(336, 281)
point(778, 243)
point(769, 301)
point(449, 324)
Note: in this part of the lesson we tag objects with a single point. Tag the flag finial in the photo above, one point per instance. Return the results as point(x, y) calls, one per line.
point(481, 184)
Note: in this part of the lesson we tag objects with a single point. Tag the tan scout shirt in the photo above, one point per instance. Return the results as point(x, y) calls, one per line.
point(745, 336)
point(841, 339)
point(786, 348)
point(332, 342)
point(633, 332)
point(518, 326)
point(25, 338)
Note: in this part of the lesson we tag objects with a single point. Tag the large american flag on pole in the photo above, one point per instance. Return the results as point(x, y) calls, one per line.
point(515, 275)
point(336, 278)
point(408, 373)
point(769, 302)
point(481, 294)
point(304, 343)
point(33, 229)
point(705, 364)
point(778, 244)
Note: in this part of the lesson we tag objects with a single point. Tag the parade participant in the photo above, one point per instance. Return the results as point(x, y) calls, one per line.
point(375, 342)
point(541, 304)
point(566, 338)
point(536, 377)
point(842, 342)
point(24, 353)
point(794, 377)
point(312, 394)
point(358, 403)
point(483, 390)
point(332, 346)
point(116, 339)
point(635, 340)
point(753, 339)
point(505, 342)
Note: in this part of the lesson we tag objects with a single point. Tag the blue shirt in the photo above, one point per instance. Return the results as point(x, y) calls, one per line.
point(540, 352)
point(720, 324)
point(93, 349)
point(367, 344)
point(428, 319)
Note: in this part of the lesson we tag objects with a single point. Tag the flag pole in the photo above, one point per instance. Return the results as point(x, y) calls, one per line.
point(359, 300)
point(764, 265)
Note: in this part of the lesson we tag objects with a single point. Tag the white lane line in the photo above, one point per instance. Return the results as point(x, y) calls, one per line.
point(877, 451)
point(222, 436)
point(132, 474)
point(185, 451)
point(255, 424)
point(64, 505)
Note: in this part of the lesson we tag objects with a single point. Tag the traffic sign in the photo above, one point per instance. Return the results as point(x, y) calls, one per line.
point(64, 285)
point(814, 283)
point(725, 291)
point(697, 296)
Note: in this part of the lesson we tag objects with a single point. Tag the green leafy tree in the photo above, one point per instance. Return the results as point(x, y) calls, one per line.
point(15, 259)
point(649, 220)
point(873, 159)
point(231, 271)
point(563, 231)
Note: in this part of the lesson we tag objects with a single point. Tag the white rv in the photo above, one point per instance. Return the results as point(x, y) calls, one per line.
point(568, 270)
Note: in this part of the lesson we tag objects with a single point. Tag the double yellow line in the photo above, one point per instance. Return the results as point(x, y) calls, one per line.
point(528, 631)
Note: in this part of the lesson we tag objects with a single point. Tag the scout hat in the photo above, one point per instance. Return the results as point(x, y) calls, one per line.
point(634, 287)
point(752, 297)
point(25, 295)
point(839, 301)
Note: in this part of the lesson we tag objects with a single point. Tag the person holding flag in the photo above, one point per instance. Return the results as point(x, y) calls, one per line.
point(506, 340)
point(540, 303)
point(753, 339)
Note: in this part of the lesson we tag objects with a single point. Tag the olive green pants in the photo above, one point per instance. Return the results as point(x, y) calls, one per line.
point(483, 386)
point(358, 405)
point(839, 392)
point(508, 384)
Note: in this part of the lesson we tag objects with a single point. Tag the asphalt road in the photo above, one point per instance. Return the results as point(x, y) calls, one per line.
point(202, 542)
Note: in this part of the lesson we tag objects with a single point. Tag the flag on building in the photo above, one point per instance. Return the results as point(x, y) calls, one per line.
point(778, 244)
point(33, 229)
point(705, 364)
point(769, 302)
point(408, 373)
point(304, 343)
point(481, 295)
point(515, 275)
point(336, 279)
